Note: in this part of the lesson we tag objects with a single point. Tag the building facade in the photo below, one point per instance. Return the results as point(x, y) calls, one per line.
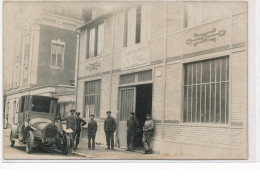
point(39, 55)
point(185, 63)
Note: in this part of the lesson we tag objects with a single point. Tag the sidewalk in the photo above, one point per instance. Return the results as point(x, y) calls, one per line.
point(118, 153)
point(101, 153)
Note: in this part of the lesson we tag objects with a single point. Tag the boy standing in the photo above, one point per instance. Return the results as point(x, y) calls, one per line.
point(92, 129)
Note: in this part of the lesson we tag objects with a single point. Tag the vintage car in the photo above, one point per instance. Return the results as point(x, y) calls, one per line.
point(36, 125)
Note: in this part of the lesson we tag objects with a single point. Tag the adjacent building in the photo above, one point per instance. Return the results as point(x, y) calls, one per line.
point(39, 53)
point(183, 62)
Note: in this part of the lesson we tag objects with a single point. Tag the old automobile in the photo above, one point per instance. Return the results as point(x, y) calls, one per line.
point(37, 126)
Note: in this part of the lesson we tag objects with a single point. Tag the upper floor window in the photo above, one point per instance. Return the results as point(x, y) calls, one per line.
point(17, 75)
point(132, 26)
point(197, 13)
point(57, 54)
point(95, 40)
point(136, 25)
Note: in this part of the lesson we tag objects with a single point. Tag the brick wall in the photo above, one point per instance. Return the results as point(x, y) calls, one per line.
point(179, 52)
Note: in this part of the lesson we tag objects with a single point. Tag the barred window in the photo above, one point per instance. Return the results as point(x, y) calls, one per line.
point(92, 98)
point(206, 91)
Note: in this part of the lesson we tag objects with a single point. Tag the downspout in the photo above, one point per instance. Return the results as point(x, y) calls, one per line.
point(165, 63)
point(77, 67)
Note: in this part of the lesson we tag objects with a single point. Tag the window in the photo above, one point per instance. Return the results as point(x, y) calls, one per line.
point(133, 26)
point(196, 13)
point(43, 104)
point(206, 91)
point(95, 40)
point(17, 75)
point(92, 98)
point(57, 54)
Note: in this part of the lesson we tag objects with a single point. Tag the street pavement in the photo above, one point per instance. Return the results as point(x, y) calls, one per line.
point(18, 153)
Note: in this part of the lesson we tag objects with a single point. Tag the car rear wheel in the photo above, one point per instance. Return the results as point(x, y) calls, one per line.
point(29, 142)
point(66, 144)
point(11, 139)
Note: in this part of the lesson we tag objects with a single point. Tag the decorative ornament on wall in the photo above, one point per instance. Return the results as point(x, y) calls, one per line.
point(93, 66)
point(206, 37)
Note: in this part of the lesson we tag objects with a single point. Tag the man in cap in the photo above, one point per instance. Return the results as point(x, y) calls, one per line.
point(132, 126)
point(109, 128)
point(92, 129)
point(71, 124)
point(79, 122)
point(147, 134)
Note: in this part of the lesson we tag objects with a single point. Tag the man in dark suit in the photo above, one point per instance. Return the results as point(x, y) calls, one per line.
point(132, 126)
point(92, 129)
point(110, 128)
point(79, 123)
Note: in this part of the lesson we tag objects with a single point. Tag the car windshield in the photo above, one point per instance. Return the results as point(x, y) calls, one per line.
point(42, 104)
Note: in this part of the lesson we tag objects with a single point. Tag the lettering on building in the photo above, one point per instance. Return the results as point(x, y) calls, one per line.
point(93, 66)
point(206, 37)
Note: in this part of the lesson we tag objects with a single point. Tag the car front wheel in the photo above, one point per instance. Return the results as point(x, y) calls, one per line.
point(29, 142)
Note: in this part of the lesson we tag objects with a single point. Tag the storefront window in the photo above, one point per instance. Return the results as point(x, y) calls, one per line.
point(206, 91)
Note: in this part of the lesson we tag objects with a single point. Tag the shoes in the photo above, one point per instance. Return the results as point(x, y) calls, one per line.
point(108, 148)
point(76, 148)
point(93, 148)
point(89, 148)
point(112, 149)
point(145, 152)
point(150, 151)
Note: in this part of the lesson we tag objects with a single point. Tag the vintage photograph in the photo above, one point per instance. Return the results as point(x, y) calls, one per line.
point(125, 80)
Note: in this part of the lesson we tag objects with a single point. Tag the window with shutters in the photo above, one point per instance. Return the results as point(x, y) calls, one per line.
point(206, 91)
point(92, 98)
point(95, 40)
point(136, 25)
point(57, 54)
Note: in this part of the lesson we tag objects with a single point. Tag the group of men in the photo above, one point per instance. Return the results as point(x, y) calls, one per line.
point(75, 125)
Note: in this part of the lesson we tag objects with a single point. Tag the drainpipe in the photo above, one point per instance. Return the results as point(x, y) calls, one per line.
point(165, 64)
point(77, 67)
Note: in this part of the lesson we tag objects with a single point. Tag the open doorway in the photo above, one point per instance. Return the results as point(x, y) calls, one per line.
point(143, 107)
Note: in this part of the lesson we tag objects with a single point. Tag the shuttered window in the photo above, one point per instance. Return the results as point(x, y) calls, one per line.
point(206, 91)
point(92, 98)
point(95, 40)
point(136, 24)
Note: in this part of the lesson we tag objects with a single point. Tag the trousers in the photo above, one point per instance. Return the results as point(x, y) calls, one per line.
point(131, 133)
point(77, 135)
point(147, 141)
point(91, 136)
point(110, 139)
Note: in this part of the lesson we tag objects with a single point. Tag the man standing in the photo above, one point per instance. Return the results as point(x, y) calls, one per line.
point(147, 134)
point(71, 124)
point(109, 128)
point(80, 122)
point(132, 126)
point(92, 129)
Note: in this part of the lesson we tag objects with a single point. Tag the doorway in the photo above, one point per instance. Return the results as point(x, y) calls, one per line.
point(136, 99)
point(143, 107)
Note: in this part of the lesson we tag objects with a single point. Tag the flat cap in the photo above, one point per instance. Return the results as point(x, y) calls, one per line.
point(78, 113)
point(108, 111)
point(132, 113)
point(148, 114)
point(72, 110)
